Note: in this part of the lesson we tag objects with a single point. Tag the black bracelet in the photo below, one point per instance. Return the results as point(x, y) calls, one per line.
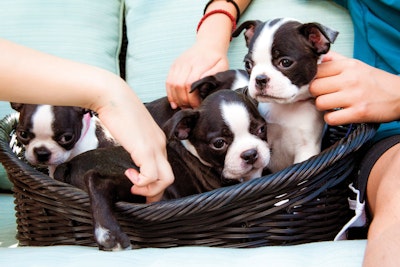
point(229, 1)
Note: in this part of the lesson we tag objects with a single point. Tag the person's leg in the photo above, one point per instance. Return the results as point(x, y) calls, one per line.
point(383, 196)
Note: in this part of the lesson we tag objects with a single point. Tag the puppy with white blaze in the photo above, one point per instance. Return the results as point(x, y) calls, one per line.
point(53, 135)
point(282, 60)
point(247, 151)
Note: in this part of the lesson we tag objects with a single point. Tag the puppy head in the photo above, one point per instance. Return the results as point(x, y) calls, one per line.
point(48, 132)
point(230, 79)
point(283, 56)
point(226, 132)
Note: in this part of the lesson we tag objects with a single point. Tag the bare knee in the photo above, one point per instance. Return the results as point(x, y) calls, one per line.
point(384, 183)
point(383, 195)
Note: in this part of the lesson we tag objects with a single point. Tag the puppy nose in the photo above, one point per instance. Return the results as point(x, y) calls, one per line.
point(249, 156)
point(262, 80)
point(42, 154)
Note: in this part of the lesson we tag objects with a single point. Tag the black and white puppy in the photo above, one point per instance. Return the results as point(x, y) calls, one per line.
point(53, 135)
point(220, 143)
point(282, 60)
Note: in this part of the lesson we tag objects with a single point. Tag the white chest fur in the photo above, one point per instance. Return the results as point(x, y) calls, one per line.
point(294, 132)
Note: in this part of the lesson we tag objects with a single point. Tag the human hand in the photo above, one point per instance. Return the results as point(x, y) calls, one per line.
point(131, 124)
point(354, 92)
point(155, 171)
point(201, 60)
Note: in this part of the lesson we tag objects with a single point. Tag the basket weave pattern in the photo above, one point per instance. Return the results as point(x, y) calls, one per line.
point(303, 203)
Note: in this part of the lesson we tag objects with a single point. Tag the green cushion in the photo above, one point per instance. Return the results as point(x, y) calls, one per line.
point(158, 32)
point(84, 31)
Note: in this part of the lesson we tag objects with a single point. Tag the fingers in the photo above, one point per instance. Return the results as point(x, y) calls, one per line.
point(197, 62)
point(328, 79)
point(328, 89)
point(343, 116)
point(332, 56)
point(178, 87)
point(152, 187)
point(329, 68)
point(331, 95)
point(323, 85)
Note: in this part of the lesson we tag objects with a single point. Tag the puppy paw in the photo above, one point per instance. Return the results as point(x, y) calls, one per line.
point(111, 240)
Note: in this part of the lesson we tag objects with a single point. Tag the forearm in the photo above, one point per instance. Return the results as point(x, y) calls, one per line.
point(216, 30)
point(29, 76)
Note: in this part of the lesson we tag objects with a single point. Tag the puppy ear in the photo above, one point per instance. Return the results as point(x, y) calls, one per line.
point(63, 173)
point(250, 27)
point(83, 111)
point(319, 36)
point(205, 86)
point(181, 124)
point(17, 106)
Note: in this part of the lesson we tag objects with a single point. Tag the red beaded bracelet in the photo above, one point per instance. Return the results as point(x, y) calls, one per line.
point(217, 11)
point(229, 1)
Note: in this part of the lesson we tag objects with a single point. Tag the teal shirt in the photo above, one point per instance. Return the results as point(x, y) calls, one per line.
point(377, 40)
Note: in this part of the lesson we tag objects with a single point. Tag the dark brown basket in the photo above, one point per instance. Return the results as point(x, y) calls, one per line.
point(303, 203)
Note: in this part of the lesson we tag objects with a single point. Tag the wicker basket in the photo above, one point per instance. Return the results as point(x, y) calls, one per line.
point(303, 203)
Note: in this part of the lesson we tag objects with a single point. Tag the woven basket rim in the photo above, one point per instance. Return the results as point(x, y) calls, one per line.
point(295, 173)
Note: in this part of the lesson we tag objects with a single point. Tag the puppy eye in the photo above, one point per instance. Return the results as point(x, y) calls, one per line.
point(261, 131)
point(23, 136)
point(219, 144)
point(248, 65)
point(66, 138)
point(285, 63)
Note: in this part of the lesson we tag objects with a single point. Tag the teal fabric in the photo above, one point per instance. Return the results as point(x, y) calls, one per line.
point(377, 41)
point(83, 30)
point(377, 33)
point(158, 32)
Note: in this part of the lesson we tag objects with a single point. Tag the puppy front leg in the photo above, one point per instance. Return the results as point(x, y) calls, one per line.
point(306, 153)
point(107, 231)
point(309, 139)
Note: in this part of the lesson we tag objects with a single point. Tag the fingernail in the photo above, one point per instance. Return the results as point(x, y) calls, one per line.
point(173, 105)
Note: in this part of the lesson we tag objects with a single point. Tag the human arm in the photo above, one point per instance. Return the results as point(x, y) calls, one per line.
point(353, 92)
point(207, 56)
point(29, 76)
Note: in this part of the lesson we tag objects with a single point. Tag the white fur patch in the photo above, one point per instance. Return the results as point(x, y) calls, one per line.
point(42, 121)
point(102, 234)
point(88, 139)
point(240, 81)
point(237, 118)
point(190, 147)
